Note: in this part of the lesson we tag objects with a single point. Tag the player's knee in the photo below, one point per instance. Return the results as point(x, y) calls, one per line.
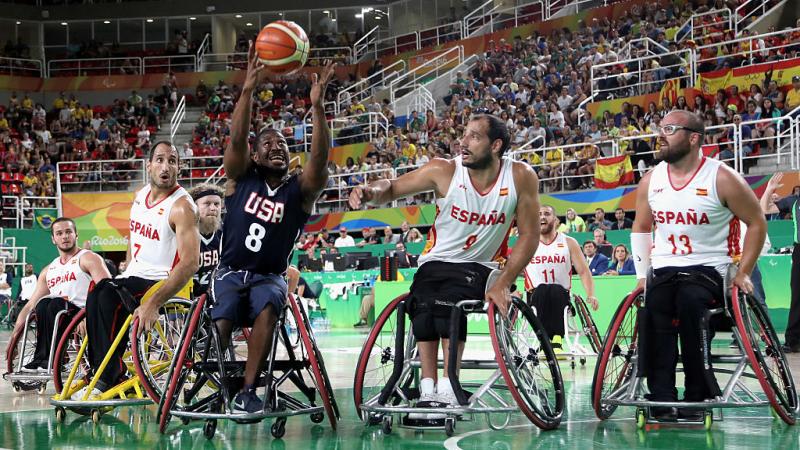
point(423, 328)
point(43, 306)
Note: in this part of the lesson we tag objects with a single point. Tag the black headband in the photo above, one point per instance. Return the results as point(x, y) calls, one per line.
point(205, 192)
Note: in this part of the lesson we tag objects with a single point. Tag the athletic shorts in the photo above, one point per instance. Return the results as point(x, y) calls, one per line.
point(241, 295)
point(437, 287)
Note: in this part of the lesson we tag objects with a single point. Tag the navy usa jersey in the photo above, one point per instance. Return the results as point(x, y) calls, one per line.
point(209, 258)
point(261, 224)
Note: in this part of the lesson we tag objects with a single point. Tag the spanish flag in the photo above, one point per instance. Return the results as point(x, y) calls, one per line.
point(702, 192)
point(613, 172)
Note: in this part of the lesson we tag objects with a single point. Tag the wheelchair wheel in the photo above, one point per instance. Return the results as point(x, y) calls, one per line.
point(314, 356)
point(377, 358)
point(153, 351)
point(182, 376)
point(614, 362)
point(16, 346)
point(66, 355)
point(587, 323)
point(763, 350)
point(528, 364)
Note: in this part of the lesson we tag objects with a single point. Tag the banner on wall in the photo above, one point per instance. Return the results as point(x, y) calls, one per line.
point(742, 77)
point(102, 218)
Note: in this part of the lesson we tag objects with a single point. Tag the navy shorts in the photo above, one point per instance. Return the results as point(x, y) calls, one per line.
point(241, 295)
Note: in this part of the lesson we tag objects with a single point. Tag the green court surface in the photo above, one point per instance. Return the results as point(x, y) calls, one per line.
point(27, 421)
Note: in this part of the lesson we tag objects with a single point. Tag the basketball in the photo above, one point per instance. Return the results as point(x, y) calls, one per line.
point(282, 46)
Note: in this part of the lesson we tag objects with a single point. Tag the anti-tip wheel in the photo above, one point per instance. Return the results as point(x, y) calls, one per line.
point(386, 425)
point(42, 388)
point(210, 428)
point(641, 420)
point(186, 420)
point(61, 414)
point(17, 388)
point(374, 419)
point(583, 361)
point(96, 416)
point(450, 426)
point(278, 428)
point(317, 417)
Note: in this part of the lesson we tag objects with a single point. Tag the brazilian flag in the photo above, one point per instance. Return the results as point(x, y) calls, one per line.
point(45, 217)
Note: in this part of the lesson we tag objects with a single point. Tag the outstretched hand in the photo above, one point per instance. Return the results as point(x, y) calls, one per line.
point(320, 83)
point(774, 183)
point(255, 70)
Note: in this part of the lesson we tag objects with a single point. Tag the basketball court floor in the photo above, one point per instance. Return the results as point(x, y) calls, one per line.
point(27, 422)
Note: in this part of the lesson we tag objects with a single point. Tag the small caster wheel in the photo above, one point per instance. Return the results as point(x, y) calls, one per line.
point(583, 361)
point(42, 389)
point(450, 426)
point(386, 425)
point(708, 420)
point(210, 428)
point(373, 419)
point(186, 420)
point(61, 414)
point(641, 420)
point(17, 388)
point(278, 428)
point(96, 416)
point(572, 364)
point(317, 417)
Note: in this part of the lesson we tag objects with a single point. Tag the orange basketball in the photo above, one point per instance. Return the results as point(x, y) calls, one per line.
point(282, 46)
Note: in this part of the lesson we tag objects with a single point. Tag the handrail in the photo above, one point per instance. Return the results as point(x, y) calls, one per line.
point(478, 14)
point(177, 119)
point(743, 15)
point(158, 62)
point(411, 77)
point(517, 18)
point(361, 46)
point(686, 62)
point(582, 107)
point(84, 70)
point(18, 65)
point(423, 41)
point(626, 49)
point(356, 90)
point(205, 46)
point(397, 44)
point(528, 146)
point(20, 208)
point(348, 58)
point(690, 23)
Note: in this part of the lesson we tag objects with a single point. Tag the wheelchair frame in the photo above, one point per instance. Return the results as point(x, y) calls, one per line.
point(214, 372)
point(578, 322)
point(628, 389)
point(396, 396)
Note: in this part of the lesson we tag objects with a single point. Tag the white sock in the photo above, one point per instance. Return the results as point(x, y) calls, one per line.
point(426, 386)
point(444, 386)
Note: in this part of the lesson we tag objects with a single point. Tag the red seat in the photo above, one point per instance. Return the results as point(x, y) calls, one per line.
point(6, 177)
point(197, 173)
point(4, 189)
point(18, 178)
point(15, 189)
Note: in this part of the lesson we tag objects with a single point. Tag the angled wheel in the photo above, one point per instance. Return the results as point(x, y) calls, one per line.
point(526, 359)
point(66, 355)
point(763, 350)
point(587, 323)
point(314, 356)
point(17, 346)
point(153, 351)
point(614, 365)
point(377, 357)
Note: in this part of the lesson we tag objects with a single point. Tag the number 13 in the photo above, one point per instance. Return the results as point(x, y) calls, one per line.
point(684, 240)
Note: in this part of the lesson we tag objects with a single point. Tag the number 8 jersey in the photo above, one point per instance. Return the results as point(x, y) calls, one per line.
point(261, 224)
point(692, 226)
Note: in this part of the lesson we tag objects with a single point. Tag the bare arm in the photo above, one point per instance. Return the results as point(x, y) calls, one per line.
point(315, 175)
point(772, 185)
point(236, 158)
point(435, 175)
point(292, 279)
point(735, 193)
point(643, 221)
point(184, 218)
point(95, 266)
point(527, 186)
point(582, 269)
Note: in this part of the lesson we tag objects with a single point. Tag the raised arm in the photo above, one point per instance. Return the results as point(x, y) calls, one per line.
point(433, 176)
point(527, 217)
point(315, 174)
point(236, 158)
point(582, 269)
point(772, 185)
point(184, 218)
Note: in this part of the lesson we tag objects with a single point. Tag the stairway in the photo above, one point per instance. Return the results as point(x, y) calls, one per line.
point(184, 132)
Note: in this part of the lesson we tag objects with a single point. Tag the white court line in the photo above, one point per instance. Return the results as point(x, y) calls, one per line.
point(452, 443)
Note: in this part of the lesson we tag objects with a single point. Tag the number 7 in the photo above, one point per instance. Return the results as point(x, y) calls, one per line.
point(138, 247)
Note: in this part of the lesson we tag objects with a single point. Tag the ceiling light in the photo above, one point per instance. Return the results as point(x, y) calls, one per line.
point(106, 22)
point(64, 23)
point(192, 18)
point(377, 17)
point(326, 12)
point(238, 16)
point(149, 20)
point(19, 23)
point(249, 24)
point(333, 20)
point(280, 14)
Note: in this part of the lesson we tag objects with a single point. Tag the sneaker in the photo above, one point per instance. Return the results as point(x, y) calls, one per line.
point(361, 324)
point(35, 367)
point(80, 394)
point(428, 400)
point(734, 343)
point(557, 347)
point(248, 402)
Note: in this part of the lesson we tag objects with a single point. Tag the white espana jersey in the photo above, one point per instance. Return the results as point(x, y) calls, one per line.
point(471, 226)
point(551, 264)
point(692, 226)
point(67, 280)
point(154, 246)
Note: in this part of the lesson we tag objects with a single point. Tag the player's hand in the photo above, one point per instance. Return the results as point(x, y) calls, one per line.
point(255, 70)
point(500, 295)
point(774, 183)
point(639, 284)
point(82, 328)
point(320, 82)
point(593, 301)
point(743, 282)
point(357, 197)
point(147, 315)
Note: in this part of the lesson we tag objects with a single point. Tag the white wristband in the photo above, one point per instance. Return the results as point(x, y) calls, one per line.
point(641, 247)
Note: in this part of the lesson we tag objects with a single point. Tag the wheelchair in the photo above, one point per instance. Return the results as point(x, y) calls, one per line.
point(755, 374)
point(525, 375)
point(146, 359)
point(20, 351)
point(203, 377)
point(579, 328)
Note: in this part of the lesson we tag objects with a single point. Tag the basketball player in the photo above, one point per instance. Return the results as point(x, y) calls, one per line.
point(548, 278)
point(208, 199)
point(479, 194)
point(164, 245)
point(266, 209)
point(693, 203)
point(64, 284)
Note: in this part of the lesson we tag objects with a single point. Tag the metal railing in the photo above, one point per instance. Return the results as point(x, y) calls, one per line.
point(169, 63)
point(202, 49)
point(100, 176)
point(20, 211)
point(639, 75)
point(440, 34)
point(213, 62)
point(394, 45)
point(710, 24)
point(746, 13)
point(645, 44)
point(349, 129)
point(20, 67)
point(177, 118)
point(94, 66)
point(342, 55)
point(362, 46)
point(429, 70)
point(479, 18)
point(518, 15)
point(751, 49)
point(365, 87)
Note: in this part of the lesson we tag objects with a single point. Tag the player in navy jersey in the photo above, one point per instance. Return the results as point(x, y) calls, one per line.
point(266, 210)
point(208, 198)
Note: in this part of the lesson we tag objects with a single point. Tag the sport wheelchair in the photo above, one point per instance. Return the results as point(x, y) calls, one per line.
point(523, 366)
point(147, 361)
point(757, 364)
point(579, 329)
point(203, 377)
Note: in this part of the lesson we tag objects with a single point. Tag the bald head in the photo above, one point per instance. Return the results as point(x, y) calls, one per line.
point(687, 119)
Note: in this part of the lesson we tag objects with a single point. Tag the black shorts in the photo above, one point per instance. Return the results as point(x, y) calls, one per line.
point(437, 287)
point(241, 295)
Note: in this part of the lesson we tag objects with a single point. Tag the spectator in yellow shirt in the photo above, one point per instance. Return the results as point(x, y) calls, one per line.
point(408, 149)
point(793, 96)
point(3, 123)
point(59, 102)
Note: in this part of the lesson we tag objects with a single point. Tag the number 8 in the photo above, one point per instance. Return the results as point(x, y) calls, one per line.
point(253, 240)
